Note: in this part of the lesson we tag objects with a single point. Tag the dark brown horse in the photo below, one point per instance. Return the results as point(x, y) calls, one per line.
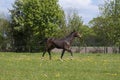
point(63, 43)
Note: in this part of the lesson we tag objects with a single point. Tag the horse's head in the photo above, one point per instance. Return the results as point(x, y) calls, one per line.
point(77, 34)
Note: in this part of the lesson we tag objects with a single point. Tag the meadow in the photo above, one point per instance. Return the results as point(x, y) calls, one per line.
point(30, 66)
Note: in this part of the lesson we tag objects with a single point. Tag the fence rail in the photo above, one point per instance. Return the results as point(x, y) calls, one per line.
point(93, 50)
point(75, 49)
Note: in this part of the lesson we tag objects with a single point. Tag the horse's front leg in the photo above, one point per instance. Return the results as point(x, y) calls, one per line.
point(70, 51)
point(49, 52)
point(43, 53)
point(67, 48)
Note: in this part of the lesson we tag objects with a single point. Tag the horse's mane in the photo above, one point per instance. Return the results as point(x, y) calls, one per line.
point(70, 34)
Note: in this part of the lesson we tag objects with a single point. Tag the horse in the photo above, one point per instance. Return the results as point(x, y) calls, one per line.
point(63, 43)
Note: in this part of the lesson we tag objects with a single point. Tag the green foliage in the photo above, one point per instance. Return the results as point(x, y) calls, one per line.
point(111, 12)
point(3, 34)
point(107, 26)
point(101, 30)
point(88, 36)
point(75, 22)
point(34, 20)
point(26, 66)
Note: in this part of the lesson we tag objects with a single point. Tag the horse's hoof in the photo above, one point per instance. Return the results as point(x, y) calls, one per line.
point(71, 58)
point(61, 60)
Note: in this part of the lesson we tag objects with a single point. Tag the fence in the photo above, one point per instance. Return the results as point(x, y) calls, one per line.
point(76, 49)
point(93, 50)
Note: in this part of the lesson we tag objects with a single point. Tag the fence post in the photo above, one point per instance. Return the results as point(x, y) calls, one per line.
point(85, 49)
point(119, 49)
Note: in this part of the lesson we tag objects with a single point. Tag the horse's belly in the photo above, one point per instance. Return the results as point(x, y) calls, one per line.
point(59, 47)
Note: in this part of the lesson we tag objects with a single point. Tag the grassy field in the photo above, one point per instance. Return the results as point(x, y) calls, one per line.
point(28, 66)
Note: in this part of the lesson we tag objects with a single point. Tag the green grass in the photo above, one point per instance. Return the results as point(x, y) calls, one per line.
point(28, 66)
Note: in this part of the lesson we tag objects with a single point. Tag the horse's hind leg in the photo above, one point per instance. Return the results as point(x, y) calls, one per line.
point(43, 54)
point(71, 55)
point(62, 53)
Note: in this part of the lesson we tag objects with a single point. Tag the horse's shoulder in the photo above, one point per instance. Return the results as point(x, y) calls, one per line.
point(66, 42)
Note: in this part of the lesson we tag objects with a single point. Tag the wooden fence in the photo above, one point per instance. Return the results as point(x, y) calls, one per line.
point(92, 50)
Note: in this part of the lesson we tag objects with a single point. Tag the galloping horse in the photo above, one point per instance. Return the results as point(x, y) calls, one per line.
point(63, 43)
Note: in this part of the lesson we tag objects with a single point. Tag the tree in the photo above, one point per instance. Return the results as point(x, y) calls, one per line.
point(111, 12)
point(75, 23)
point(102, 30)
point(34, 20)
point(3, 33)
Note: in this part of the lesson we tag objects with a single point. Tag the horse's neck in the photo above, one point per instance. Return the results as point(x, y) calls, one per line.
point(70, 38)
